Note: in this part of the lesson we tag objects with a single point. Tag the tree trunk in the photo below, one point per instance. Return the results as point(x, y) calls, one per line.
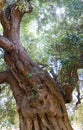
point(39, 103)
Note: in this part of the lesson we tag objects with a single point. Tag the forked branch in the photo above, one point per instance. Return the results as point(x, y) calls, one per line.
point(6, 44)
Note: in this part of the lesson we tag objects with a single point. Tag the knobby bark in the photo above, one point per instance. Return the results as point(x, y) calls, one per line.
point(40, 104)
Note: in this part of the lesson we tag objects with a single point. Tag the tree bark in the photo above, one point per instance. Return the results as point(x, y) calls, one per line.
point(39, 103)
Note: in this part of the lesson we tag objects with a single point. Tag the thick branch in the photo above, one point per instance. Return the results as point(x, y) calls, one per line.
point(4, 21)
point(6, 44)
point(8, 77)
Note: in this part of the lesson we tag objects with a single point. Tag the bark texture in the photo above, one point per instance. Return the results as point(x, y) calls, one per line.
point(39, 102)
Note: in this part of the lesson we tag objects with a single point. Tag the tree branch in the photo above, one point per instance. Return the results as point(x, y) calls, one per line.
point(8, 77)
point(6, 44)
point(4, 21)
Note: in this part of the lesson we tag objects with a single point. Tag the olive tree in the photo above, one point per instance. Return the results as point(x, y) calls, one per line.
point(39, 102)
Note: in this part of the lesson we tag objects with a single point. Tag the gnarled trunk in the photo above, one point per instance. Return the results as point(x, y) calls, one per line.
point(39, 103)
